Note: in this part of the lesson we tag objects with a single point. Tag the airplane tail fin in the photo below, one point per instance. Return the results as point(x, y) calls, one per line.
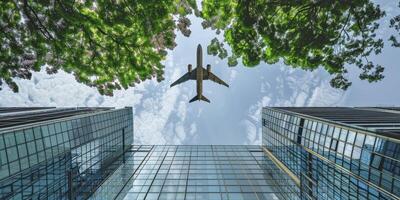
point(195, 98)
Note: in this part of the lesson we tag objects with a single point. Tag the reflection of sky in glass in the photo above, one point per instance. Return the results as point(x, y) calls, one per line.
point(351, 154)
point(164, 116)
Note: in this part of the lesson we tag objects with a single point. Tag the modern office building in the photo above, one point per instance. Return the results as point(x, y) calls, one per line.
point(202, 172)
point(336, 153)
point(306, 153)
point(60, 153)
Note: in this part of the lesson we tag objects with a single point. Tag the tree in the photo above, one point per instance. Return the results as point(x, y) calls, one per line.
point(306, 34)
point(105, 44)
point(395, 23)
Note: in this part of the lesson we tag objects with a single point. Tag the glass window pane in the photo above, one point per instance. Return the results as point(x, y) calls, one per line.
point(12, 154)
point(28, 134)
point(20, 137)
point(2, 146)
point(351, 137)
point(22, 150)
point(9, 139)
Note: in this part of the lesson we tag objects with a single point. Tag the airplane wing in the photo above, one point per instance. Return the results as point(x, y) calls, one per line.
point(213, 77)
point(184, 78)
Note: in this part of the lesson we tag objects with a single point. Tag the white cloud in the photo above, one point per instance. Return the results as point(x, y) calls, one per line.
point(325, 95)
point(62, 90)
point(233, 74)
point(193, 128)
point(151, 120)
point(253, 132)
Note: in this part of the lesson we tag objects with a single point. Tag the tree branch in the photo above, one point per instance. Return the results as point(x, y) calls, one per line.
point(344, 26)
point(42, 28)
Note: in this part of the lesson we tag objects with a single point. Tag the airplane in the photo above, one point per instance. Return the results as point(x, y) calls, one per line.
point(199, 74)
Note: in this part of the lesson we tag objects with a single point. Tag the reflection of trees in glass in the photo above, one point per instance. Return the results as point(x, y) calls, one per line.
point(305, 34)
point(106, 44)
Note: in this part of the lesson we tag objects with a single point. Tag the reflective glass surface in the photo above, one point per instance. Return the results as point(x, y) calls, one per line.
point(62, 159)
point(331, 160)
point(197, 172)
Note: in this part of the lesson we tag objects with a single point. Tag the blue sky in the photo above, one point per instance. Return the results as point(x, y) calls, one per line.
point(162, 115)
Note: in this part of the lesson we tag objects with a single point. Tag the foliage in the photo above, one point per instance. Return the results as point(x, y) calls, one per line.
point(217, 48)
point(306, 33)
point(395, 23)
point(105, 44)
point(114, 44)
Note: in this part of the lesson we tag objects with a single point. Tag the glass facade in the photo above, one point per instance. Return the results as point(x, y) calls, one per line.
point(334, 158)
point(63, 158)
point(217, 172)
point(306, 153)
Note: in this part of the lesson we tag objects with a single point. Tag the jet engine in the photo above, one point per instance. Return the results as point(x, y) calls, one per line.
point(208, 68)
point(189, 68)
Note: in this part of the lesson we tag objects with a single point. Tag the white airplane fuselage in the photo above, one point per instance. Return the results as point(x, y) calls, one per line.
point(199, 72)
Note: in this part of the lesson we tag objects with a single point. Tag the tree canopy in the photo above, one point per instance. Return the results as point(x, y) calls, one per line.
point(395, 24)
point(106, 44)
point(307, 34)
point(114, 44)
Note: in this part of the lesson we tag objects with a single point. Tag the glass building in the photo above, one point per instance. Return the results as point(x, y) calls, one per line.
point(336, 153)
point(54, 153)
point(202, 172)
point(306, 153)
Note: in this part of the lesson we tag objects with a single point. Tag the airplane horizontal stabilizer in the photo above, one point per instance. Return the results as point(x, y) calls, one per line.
point(195, 98)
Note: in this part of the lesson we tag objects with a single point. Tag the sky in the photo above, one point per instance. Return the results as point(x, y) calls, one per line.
point(162, 115)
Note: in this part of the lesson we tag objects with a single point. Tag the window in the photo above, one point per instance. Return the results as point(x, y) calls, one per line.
point(324, 128)
point(348, 150)
point(376, 161)
point(28, 134)
point(22, 150)
point(343, 134)
point(351, 137)
point(20, 137)
point(356, 153)
point(328, 142)
point(52, 129)
point(360, 139)
point(1, 142)
point(3, 157)
point(334, 144)
point(369, 142)
point(45, 131)
point(340, 147)
point(336, 133)
point(11, 153)
point(9, 140)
